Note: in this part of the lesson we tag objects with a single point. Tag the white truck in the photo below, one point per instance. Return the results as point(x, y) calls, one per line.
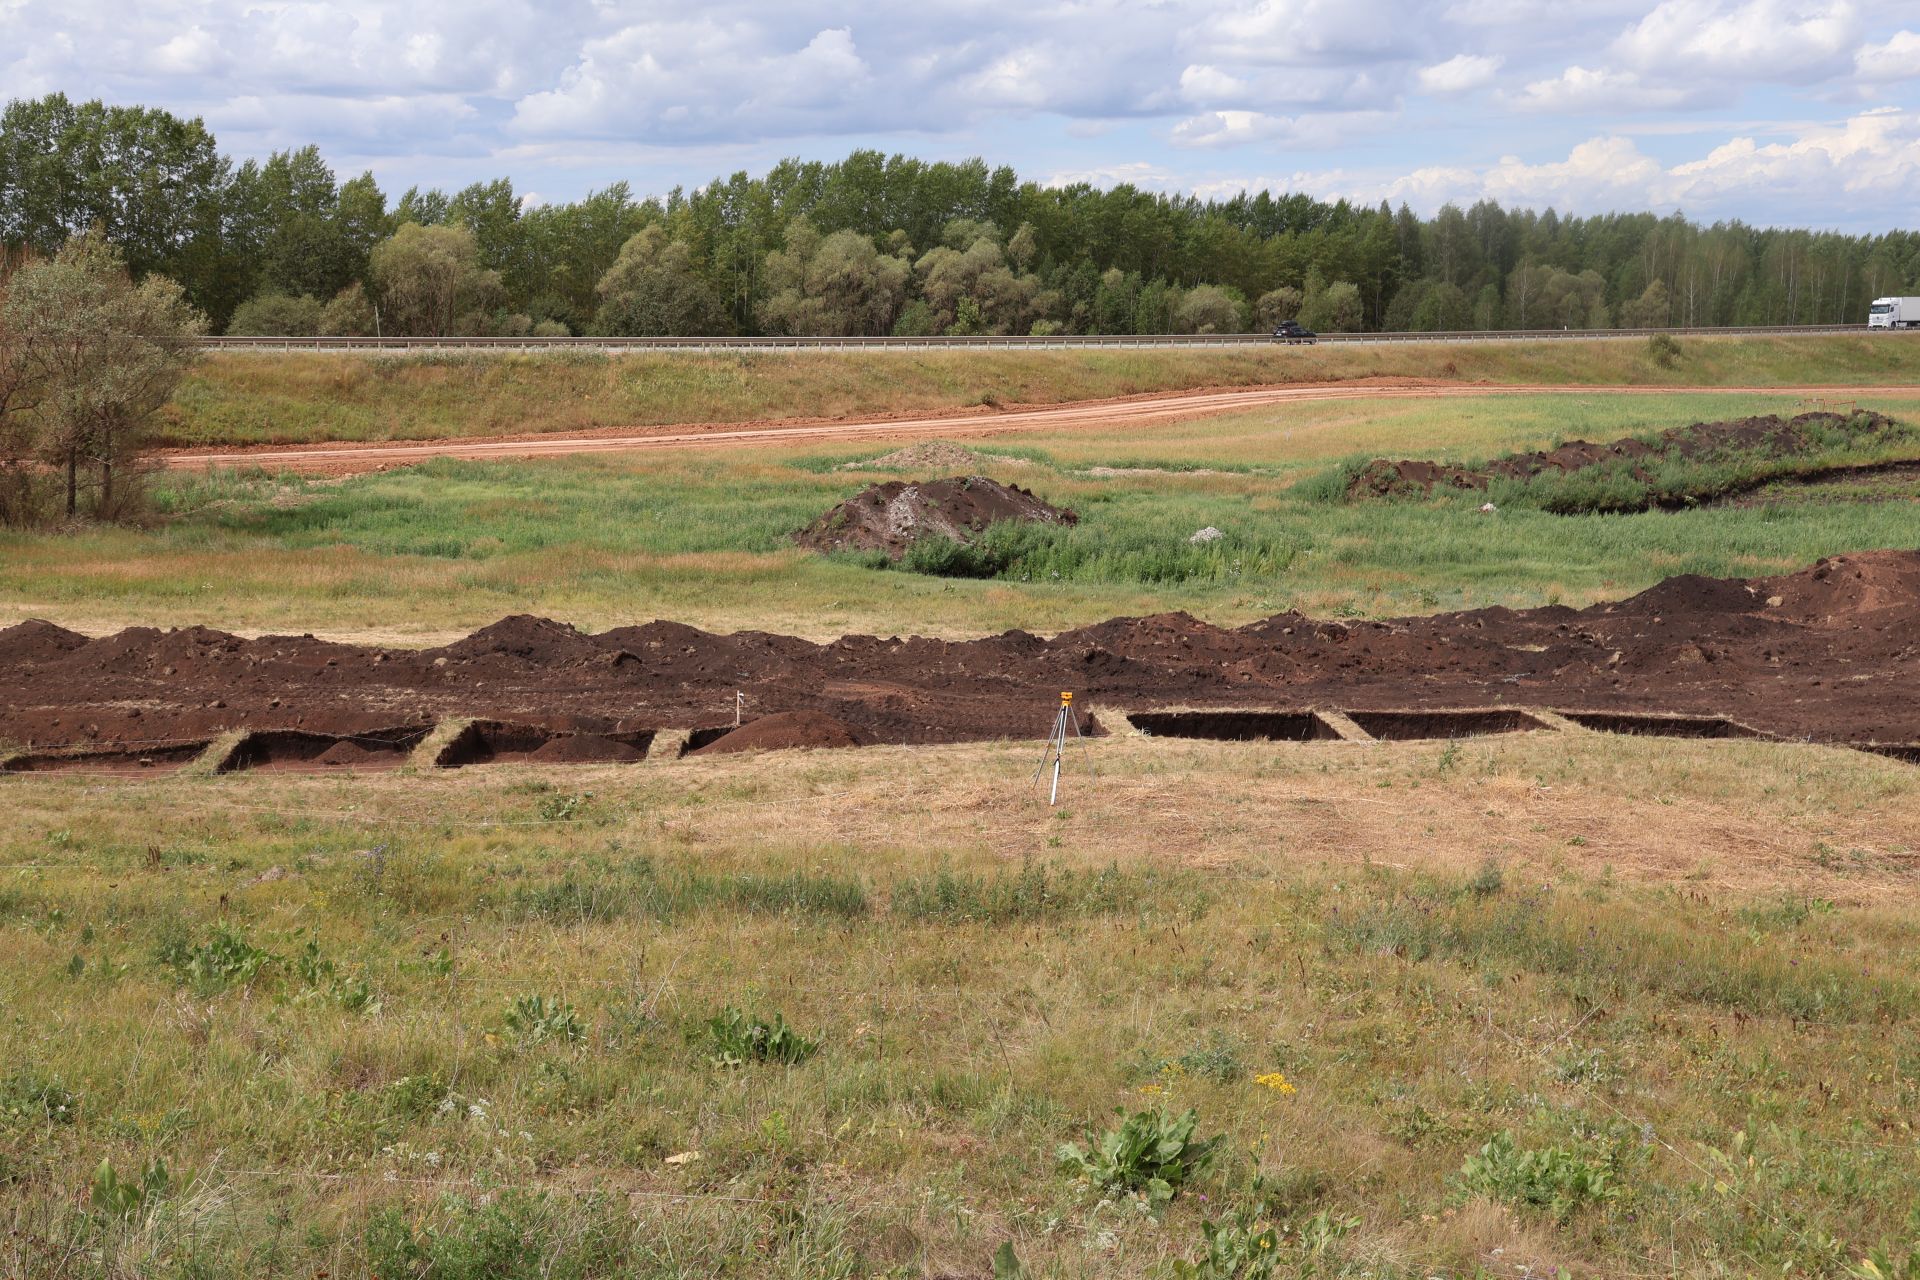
point(1894, 313)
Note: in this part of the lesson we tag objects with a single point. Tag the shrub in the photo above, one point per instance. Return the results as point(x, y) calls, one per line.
point(537, 1019)
point(277, 315)
point(221, 960)
point(738, 1040)
point(127, 1198)
point(1664, 350)
point(1557, 1179)
point(1151, 1154)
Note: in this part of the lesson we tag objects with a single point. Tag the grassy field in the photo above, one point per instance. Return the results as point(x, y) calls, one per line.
point(279, 399)
point(434, 551)
point(1588, 1006)
point(1536, 1005)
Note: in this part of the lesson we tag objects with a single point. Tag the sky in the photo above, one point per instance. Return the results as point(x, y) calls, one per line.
point(1772, 111)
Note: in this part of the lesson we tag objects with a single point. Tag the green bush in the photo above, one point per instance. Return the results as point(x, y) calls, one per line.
point(1151, 1155)
point(1557, 1179)
point(536, 1019)
point(221, 960)
point(737, 1040)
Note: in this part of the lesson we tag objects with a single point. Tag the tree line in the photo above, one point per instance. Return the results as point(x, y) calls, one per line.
point(876, 244)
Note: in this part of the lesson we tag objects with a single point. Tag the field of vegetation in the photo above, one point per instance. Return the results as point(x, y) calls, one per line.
point(431, 552)
point(1539, 1005)
point(1587, 1007)
point(244, 398)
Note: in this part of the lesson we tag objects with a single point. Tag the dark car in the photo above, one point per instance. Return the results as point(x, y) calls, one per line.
point(1292, 331)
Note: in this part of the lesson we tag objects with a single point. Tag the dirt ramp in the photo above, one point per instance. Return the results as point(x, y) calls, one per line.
point(785, 731)
point(891, 517)
point(1767, 437)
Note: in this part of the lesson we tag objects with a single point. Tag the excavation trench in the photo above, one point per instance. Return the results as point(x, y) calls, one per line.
point(1822, 655)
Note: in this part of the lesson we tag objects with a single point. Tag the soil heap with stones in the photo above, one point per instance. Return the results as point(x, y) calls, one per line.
point(1828, 654)
point(891, 517)
point(1769, 437)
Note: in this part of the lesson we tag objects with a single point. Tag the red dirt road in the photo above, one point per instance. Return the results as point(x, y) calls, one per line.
point(347, 459)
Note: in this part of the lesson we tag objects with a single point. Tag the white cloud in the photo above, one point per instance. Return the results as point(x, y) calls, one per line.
point(1200, 84)
point(1856, 172)
point(1583, 89)
point(1897, 58)
point(1460, 73)
point(1241, 128)
point(1786, 40)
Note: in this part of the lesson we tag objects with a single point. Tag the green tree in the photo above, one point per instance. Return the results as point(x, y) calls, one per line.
point(837, 286)
point(152, 182)
point(653, 290)
point(1277, 305)
point(349, 314)
point(429, 282)
point(1208, 308)
point(104, 352)
point(277, 315)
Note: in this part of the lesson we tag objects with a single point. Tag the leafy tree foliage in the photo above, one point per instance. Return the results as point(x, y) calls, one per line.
point(90, 356)
point(877, 244)
point(430, 283)
point(653, 290)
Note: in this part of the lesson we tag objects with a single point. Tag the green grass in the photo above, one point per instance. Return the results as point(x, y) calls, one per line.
point(261, 398)
point(448, 1039)
point(701, 536)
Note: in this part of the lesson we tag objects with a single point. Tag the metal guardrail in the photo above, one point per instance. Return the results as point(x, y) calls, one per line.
point(1012, 342)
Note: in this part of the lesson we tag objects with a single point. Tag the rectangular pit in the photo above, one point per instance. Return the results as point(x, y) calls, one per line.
point(1905, 752)
point(1236, 726)
point(1661, 726)
point(298, 751)
point(1413, 726)
point(698, 738)
point(119, 761)
point(501, 742)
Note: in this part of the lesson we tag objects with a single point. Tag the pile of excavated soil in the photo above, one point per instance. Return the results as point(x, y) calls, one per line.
point(783, 731)
point(585, 748)
point(893, 516)
point(1828, 653)
point(347, 754)
point(1769, 436)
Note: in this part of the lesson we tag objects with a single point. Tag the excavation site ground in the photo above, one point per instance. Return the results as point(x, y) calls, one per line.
point(1818, 656)
point(626, 858)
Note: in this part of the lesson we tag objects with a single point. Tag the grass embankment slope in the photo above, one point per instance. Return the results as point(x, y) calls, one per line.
point(428, 553)
point(254, 398)
point(459, 1026)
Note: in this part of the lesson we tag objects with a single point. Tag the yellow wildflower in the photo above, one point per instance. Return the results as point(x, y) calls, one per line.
point(1151, 1088)
point(1275, 1081)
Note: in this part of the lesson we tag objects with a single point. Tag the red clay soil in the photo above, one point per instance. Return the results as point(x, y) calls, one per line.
point(782, 731)
point(1829, 653)
point(585, 748)
point(893, 516)
point(1768, 436)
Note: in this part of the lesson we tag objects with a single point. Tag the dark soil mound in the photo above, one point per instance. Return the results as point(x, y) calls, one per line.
point(347, 754)
point(585, 748)
point(893, 516)
point(1826, 653)
point(784, 731)
point(37, 641)
point(1769, 436)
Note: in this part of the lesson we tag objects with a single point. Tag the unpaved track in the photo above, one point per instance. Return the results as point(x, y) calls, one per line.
point(346, 459)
